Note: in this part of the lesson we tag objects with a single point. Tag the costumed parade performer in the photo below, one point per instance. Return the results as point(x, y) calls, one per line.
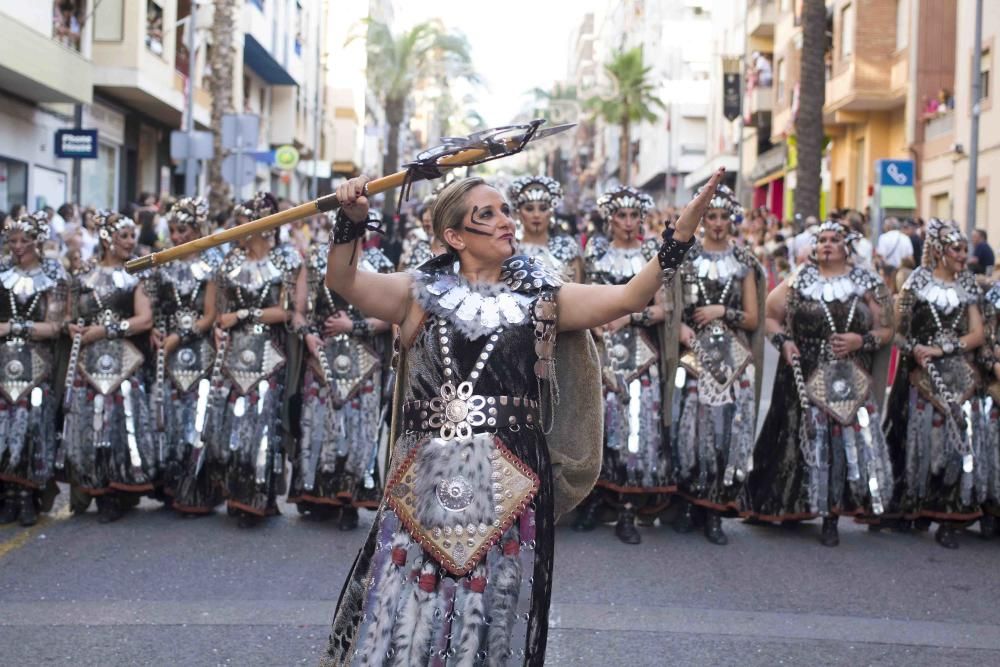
point(720, 300)
point(936, 426)
point(821, 451)
point(491, 443)
point(635, 473)
point(256, 292)
point(184, 307)
point(334, 467)
point(535, 199)
point(33, 300)
point(107, 432)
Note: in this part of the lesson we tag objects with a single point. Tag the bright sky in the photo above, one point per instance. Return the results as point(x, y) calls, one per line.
point(517, 45)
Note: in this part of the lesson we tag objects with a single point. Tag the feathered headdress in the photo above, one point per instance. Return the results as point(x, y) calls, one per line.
point(533, 189)
point(624, 196)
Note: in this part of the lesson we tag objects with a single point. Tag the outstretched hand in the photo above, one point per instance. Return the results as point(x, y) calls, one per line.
point(691, 216)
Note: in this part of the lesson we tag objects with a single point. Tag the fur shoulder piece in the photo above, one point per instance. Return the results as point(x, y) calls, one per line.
point(478, 309)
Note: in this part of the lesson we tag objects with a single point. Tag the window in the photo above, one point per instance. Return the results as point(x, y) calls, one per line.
point(984, 75)
point(781, 79)
point(902, 24)
point(940, 206)
point(154, 27)
point(846, 31)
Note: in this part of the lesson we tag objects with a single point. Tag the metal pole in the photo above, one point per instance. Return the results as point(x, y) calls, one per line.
point(77, 166)
point(670, 155)
point(317, 122)
point(977, 55)
point(190, 164)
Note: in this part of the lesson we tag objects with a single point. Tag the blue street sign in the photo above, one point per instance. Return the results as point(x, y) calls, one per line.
point(895, 172)
point(76, 143)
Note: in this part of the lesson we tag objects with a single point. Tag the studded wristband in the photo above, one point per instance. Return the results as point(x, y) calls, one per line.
point(672, 252)
point(733, 316)
point(869, 342)
point(362, 328)
point(346, 230)
point(778, 340)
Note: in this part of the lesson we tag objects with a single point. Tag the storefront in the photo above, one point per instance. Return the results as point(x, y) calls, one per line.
point(100, 177)
point(30, 173)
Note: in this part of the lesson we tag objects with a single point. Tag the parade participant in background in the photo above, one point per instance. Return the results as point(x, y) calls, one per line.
point(417, 243)
point(988, 460)
point(33, 298)
point(720, 303)
point(821, 450)
point(535, 199)
point(936, 427)
point(107, 433)
point(256, 292)
point(184, 301)
point(334, 466)
point(636, 468)
point(493, 441)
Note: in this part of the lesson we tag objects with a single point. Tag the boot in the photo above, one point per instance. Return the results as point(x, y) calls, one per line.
point(29, 517)
point(987, 527)
point(829, 537)
point(921, 525)
point(946, 535)
point(684, 523)
point(713, 528)
point(11, 507)
point(586, 516)
point(108, 508)
point(348, 518)
point(249, 520)
point(625, 527)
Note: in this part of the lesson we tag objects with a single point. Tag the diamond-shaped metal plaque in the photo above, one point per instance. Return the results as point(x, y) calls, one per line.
point(251, 357)
point(721, 354)
point(351, 362)
point(190, 362)
point(839, 388)
point(22, 367)
point(958, 375)
point(630, 352)
point(107, 363)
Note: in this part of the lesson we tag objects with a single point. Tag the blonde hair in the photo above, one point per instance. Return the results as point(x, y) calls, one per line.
point(450, 207)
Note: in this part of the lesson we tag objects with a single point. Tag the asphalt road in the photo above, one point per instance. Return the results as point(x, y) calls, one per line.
point(157, 589)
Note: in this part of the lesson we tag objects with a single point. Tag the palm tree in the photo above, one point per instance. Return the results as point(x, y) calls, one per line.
point(812, 97)
point(631, 101)
point(220, 85)
point(560, 105)
point(398, 62)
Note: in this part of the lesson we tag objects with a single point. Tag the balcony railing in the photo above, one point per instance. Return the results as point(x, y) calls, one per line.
point(939, 126)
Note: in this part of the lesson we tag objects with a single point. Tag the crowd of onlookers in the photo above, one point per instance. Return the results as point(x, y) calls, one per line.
point(780, 245)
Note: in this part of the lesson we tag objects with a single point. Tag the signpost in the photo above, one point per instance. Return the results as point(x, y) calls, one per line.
point(894, 182)
point(239, 136)
point(77, 144)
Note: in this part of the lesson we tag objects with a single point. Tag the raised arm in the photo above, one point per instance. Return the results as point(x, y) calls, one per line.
point(588, 306)
point(384, 296)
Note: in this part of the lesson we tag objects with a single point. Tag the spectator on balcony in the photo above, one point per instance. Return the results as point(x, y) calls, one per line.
point(981, 259)
point(154, 29)
point(66, 25)
point(762, 69)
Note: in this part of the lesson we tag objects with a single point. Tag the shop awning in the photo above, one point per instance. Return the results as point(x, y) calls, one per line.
point(897, 196)
point(264, 64)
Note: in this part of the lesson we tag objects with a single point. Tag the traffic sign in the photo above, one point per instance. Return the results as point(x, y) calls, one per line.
point(286, 157)
point(240, 131)
point(199, 147)
point(239, 169)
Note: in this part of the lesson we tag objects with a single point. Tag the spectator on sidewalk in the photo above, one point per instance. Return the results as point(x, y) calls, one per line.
point(892, 248)
point(912, 230)
point(981, 259)
point(863, 249)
